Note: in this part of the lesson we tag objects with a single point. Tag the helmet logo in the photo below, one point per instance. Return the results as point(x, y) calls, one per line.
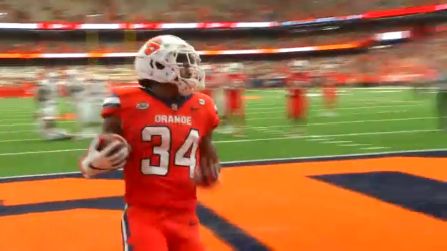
point(151, 46)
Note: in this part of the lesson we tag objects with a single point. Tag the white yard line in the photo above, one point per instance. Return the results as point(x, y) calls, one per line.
point(20, 140)
point(336, 142)
point(386, 91)
point(16, 120)
point(252, 140)
point(18, 131)
point(267, 129)
point(34, 124)
point(350, 102)
point(317, 139)
point(368, 121)
point(329, 135)
point(380, 112)
point(345, 122)
point(273, 131)
point(342, 108)
point(346, 143)
point(40, 152)
point(13, 116)
point(342, 114)
point(354, 144)
point(31, 112)
point(374, 148)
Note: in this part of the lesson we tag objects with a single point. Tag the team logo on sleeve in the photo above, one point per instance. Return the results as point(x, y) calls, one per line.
point(201, 101)
point(142, 106)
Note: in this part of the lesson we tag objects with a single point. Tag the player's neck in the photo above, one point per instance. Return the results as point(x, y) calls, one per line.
point(165, 91)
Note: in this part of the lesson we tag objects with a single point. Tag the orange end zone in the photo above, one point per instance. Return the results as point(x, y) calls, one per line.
point(281, 205)
point(73, 230)
point(28, 192)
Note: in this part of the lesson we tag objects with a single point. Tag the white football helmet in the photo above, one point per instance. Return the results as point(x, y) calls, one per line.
point(52, 75)
point(235, 68)
point(170, 59)
point(298, 65)
point(71, 73)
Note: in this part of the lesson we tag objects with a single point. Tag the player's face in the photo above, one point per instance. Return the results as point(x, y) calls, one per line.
point(185, 61)
point(185, 71)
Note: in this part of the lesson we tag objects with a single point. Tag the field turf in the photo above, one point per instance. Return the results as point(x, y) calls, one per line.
point(367, 120)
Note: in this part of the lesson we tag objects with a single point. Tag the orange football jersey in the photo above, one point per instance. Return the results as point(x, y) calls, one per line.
point(235, 101)
point(164, 139)
point(298, 78)
point(297, 102)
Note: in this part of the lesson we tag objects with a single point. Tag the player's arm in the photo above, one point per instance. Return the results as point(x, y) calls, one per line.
point(108, 158)
point(208, 151)
point(112, 124)
point(209, 162)
point(38, 98)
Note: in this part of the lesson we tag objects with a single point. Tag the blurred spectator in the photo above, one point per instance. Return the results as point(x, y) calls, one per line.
point(10, 45)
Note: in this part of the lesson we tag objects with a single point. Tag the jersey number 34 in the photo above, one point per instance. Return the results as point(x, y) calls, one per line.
point(163, 150)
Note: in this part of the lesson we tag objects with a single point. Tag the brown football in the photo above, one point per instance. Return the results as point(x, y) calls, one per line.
point(108, 138)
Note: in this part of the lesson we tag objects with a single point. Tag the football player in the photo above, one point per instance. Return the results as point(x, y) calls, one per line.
point(88, 107)
point(215, 81)
point(234, 98)
point(297, 83)
point(329, 89)
point(74, 85)
point(168, 129)
point(46, 97)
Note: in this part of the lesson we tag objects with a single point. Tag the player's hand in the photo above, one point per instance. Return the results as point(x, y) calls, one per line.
point(208, 173)
point(209, 169)
point(111, 157)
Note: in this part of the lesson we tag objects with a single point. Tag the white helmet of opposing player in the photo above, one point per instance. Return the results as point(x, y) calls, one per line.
point(170, 59)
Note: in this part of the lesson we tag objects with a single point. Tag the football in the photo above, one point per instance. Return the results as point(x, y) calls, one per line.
point(107, 139)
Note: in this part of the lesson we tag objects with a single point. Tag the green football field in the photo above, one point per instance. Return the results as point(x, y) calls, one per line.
point(367, 120)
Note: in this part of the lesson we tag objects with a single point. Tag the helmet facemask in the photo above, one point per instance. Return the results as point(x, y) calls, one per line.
point(190, 75)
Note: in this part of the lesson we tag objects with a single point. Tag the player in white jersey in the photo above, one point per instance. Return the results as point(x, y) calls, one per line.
point(215, 82)
point(89, 104)
point(74, 84)
point(234, 98)
point(46, 96)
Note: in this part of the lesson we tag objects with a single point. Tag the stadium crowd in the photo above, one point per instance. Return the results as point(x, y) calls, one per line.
point(188, 10)
point(48, 46)
point(355, 68)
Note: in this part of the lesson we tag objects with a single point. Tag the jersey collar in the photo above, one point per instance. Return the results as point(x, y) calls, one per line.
point(174, 103)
